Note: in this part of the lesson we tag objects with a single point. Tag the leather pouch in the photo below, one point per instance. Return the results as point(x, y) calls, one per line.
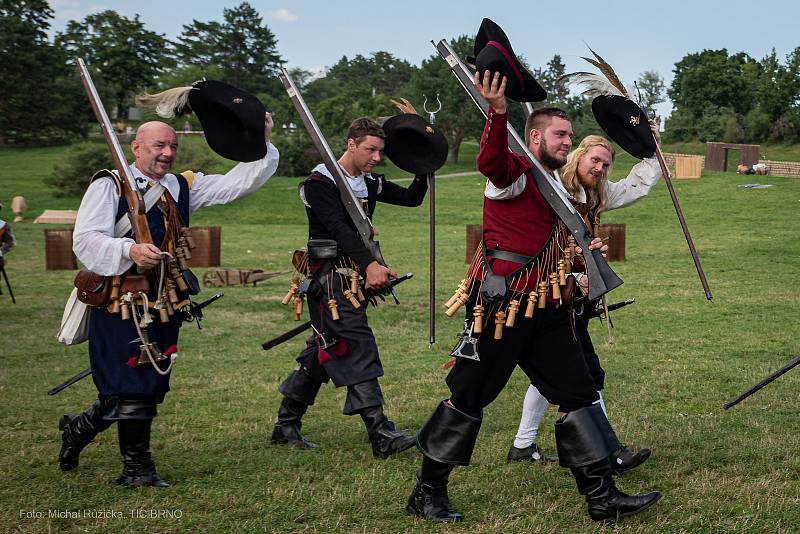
point(134, 283)
point(322, 249)
point(93, 289)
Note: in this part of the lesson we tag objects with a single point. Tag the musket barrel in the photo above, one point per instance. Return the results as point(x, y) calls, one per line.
point(136, 206)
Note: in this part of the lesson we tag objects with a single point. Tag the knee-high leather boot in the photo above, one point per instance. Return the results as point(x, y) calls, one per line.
point(299, 392)
point(585, 440)
point(385, 439)
point(134, 424)
point(77, 431)
point(287, 428)
point(447, 439)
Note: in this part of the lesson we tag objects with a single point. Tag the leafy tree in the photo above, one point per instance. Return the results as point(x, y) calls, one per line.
point(557, 93)
point(39, 98)
point(714, 78)
point(458, 117)
point(651, 87)
point(122, 51)
point(241, 50)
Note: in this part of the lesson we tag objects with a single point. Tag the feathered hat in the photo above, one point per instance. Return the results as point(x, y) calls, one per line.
point(615, 107)
point(412, 143)
point(232, 119)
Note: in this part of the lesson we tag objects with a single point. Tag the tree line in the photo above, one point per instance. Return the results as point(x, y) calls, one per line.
point(715, 95)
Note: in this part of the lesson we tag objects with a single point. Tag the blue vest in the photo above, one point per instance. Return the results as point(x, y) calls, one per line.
point(112, 345)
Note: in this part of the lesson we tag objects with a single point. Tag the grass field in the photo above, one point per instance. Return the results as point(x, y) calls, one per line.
point(676, 360)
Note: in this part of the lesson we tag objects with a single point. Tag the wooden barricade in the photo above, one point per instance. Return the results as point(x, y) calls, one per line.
point(474, 237)
point(688, 167)
point(58, 250)
point(207, 252)
point(616, 240)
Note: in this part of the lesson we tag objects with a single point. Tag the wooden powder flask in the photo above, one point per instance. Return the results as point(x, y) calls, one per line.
point(187, 235)
point(499, 322)
point(348, 294)
point(181, 259)
point(462, 288)
point(171, 293)
point(513, 306)
point(292, 291)
point(562, 272)
point(477, 319)
point(461, 299)
point(124, 310)
point(187, 252)
point(360, 295)
point(298, 307)
point(163, 314)
point(556, 289)
point(170, 309)
point(354, 282)
point(542, 295)
point(115, 282)
point(531, 304)
point(334, 308)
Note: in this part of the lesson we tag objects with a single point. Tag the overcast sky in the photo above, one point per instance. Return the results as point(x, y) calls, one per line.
point(632, 36)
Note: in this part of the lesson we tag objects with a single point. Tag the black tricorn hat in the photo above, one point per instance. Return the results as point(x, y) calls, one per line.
point(414, 145)
point(493, 52)
point(625, 123)
point(232, 119)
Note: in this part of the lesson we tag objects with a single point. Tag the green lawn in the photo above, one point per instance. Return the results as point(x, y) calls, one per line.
point(676, 360)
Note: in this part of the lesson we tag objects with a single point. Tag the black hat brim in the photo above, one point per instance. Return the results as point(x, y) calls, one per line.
point(626, 124)
point(414, 145)
point(493, 52)
point(232, 119)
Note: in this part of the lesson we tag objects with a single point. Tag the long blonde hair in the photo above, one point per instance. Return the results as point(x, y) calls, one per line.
point(595, 197)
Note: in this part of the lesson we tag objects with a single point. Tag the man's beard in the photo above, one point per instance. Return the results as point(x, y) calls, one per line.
point(551, 162)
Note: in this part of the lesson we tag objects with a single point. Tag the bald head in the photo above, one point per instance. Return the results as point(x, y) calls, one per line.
point(155, 147)
point(154, 128)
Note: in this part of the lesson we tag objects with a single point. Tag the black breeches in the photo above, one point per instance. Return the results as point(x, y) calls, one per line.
point(545, 349)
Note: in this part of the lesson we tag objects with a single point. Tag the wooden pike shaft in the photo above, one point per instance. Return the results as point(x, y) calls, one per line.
point(681, 219)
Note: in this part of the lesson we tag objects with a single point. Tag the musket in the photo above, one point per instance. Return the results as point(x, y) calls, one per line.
point(602, 278)
point(783, 370)
point(351, 203)
point(369, 295)
point(133, 197)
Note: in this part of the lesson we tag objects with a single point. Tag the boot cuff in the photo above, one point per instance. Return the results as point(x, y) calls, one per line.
point(584, 436)
point(449, 435)
point(132, 409)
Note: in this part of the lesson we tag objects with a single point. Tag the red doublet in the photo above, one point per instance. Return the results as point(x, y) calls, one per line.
point(522, 224)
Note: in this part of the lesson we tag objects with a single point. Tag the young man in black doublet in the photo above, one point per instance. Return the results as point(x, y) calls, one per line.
point(351, 359)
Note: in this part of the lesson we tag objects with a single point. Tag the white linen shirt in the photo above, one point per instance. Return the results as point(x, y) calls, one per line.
point(93, 239)
point(636, 185)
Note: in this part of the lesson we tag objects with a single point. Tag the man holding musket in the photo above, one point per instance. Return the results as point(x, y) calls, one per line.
point(524, 260)
point(128, 349)
point(343, 348)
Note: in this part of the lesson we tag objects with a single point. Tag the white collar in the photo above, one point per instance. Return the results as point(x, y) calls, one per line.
point(169, 181)
point(357, 183)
